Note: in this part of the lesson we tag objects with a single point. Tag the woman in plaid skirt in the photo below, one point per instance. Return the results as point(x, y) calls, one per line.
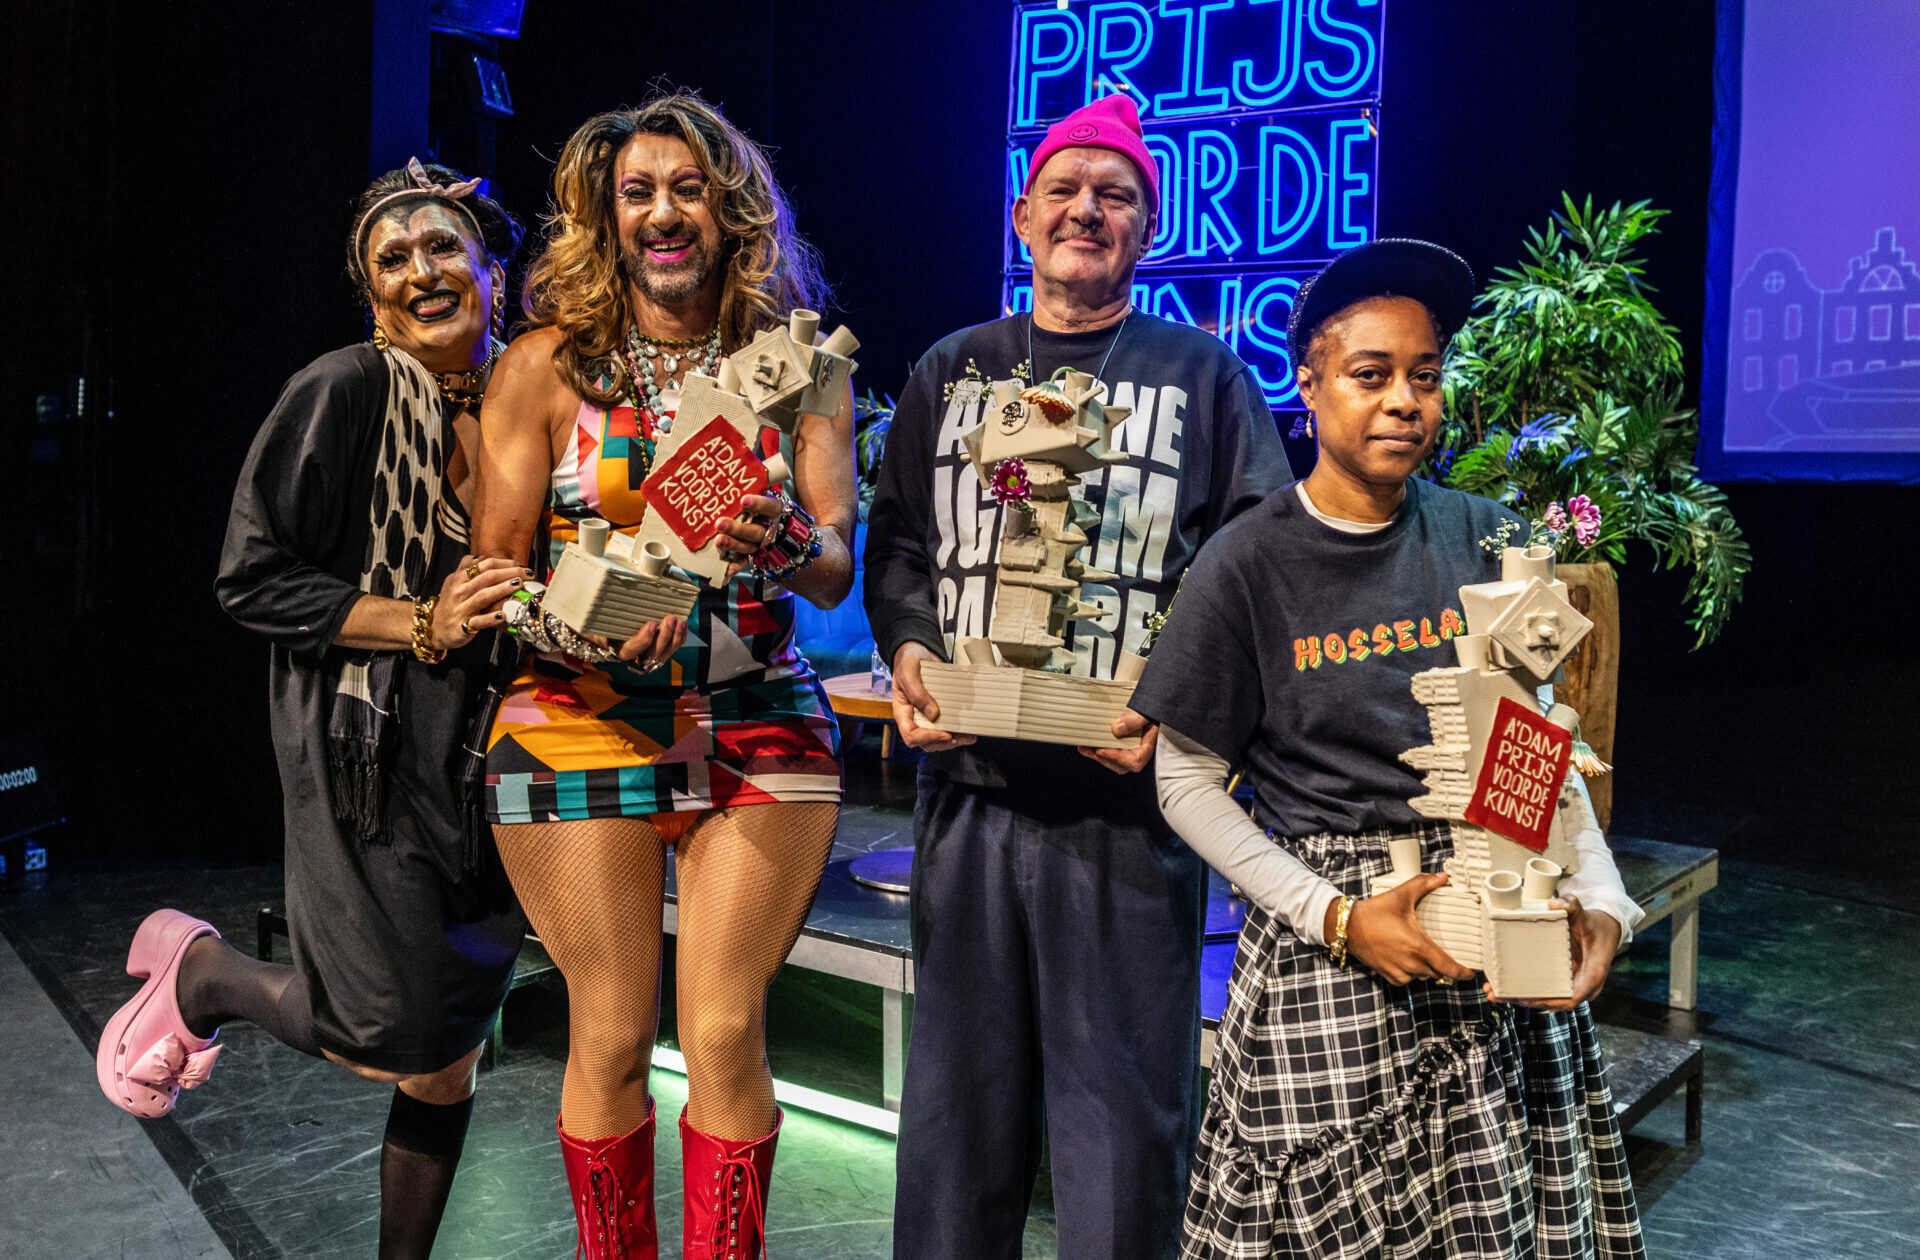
point(1364, 1103)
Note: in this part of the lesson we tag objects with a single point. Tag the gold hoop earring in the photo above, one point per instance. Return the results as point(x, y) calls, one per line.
point(380, 341)
point(499, 314)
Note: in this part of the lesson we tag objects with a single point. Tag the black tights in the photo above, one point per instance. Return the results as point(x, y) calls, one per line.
point(423, 1140)
point(218, 983)
point(417, 1163)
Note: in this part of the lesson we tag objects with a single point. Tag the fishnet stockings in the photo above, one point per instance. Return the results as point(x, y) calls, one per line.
point(592, 890)
point(746, 878)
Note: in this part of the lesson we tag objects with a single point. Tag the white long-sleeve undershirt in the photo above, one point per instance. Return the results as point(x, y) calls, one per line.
point(1191, 779)
point(1192, 782)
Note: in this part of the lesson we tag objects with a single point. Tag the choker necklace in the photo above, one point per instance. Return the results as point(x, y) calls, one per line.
point(467, 389)
point(703, 354)
point(670, 343)
point(1099, 373)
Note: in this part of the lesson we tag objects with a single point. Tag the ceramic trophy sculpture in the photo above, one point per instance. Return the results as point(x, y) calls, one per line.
point(1029, 452)
point(1497, 770)
point(611, 584)
point(705, 460)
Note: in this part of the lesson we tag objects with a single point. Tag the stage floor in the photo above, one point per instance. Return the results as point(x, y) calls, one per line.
point(1808, 1008)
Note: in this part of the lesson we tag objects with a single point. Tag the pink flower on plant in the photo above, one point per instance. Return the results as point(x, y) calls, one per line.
point(1554, 519)
point(1586, 519)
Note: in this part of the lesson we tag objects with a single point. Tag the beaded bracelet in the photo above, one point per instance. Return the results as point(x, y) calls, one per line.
point(547, 633)
point(423, 649)
point(792, 544)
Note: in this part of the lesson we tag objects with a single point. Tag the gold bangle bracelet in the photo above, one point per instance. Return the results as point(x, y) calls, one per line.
point(423, 649)
point(1338, 946)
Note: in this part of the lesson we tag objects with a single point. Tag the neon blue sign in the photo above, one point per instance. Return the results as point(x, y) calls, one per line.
point(1181, 58)
point(1248, 312)
point(1262, 116)
point(1240, 192)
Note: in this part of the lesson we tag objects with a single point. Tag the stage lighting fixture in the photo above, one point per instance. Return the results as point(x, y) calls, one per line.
point(477, 17)
point(489, 87)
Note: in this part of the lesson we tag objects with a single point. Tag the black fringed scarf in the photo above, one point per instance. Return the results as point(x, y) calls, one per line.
point(407, 479)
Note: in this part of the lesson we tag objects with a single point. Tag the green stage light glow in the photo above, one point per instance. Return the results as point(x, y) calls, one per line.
point(818, 1102)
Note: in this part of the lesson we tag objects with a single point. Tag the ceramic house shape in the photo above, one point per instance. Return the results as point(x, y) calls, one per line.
point(1015, 683)
point(611, 585)
point(1526, 614)
point(773, 372)
point(783, 375)
point(1491, 748)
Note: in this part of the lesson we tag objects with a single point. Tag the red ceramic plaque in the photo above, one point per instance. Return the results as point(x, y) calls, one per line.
point(1519, 784)
point(702, 483)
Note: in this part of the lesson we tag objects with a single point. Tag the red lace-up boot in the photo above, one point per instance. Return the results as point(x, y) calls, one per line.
point(612, 1184)
point(726, 1193)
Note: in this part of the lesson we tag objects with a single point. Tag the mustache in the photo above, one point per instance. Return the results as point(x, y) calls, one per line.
point(677, 232)
point(1074, 232)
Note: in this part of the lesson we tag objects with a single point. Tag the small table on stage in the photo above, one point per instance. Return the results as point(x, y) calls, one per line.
point(852, 696)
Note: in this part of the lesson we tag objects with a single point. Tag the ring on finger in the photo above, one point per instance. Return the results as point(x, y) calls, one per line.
point(473, 571)
point(1446, 980)
point(465, 628)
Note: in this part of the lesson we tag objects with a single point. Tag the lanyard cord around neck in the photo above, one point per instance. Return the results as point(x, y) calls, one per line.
point(1099, 373)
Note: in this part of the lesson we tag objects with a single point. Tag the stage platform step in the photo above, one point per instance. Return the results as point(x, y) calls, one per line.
point(1644, 1070)
point(862, 933)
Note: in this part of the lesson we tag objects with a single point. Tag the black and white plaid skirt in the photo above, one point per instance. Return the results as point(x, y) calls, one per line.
point(1350, 1119)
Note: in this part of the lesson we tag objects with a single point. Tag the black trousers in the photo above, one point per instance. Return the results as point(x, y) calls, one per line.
point(1057, 982)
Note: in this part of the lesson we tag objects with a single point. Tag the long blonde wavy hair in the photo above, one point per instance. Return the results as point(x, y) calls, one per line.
point(577, 283)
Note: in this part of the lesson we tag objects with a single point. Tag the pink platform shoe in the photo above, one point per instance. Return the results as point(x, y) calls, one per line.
point(147, 1054)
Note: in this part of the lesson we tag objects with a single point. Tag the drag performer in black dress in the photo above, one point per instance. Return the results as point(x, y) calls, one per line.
point(346, 549)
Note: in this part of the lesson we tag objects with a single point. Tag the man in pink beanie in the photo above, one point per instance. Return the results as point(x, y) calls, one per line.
point(1109, 123)
point(1056, 919)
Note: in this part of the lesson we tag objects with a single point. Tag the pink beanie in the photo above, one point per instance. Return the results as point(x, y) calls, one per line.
point(1109, 123)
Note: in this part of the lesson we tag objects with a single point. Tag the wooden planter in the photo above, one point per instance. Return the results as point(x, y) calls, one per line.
point(1593, 671)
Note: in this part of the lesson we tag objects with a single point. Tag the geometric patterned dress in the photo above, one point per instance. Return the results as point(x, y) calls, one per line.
point(737, 717)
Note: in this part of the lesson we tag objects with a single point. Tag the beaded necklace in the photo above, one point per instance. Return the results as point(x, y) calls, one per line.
point(650, 401)
point(643, 351)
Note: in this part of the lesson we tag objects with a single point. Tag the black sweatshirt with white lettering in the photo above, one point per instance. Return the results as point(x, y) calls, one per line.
point(1202, 447)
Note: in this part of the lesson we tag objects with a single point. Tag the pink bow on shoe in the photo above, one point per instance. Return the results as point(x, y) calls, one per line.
point(169, 1067)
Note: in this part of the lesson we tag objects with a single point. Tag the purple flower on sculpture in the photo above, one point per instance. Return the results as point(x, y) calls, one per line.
point(1586, 519)
point(1554, 519)
point(1009, 483)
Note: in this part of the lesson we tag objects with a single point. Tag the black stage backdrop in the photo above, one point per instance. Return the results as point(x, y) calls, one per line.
point(179, 184)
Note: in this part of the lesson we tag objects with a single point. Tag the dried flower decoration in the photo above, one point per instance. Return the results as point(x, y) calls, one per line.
point(1157, 621)
point(1050, 397)
point(970, 388)
point(1496, 542)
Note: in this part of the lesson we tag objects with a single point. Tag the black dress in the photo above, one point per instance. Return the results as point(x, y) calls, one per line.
point(407, 954)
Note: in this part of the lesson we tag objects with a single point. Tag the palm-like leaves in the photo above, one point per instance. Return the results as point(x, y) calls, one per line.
point(872, 417)
point(1568, 381)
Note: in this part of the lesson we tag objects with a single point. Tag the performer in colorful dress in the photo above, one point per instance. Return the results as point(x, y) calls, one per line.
point(345, 549)
point(1366, 1101)
point(671, 246)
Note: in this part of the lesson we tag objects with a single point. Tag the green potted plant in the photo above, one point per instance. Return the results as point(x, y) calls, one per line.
point(1564, 400)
